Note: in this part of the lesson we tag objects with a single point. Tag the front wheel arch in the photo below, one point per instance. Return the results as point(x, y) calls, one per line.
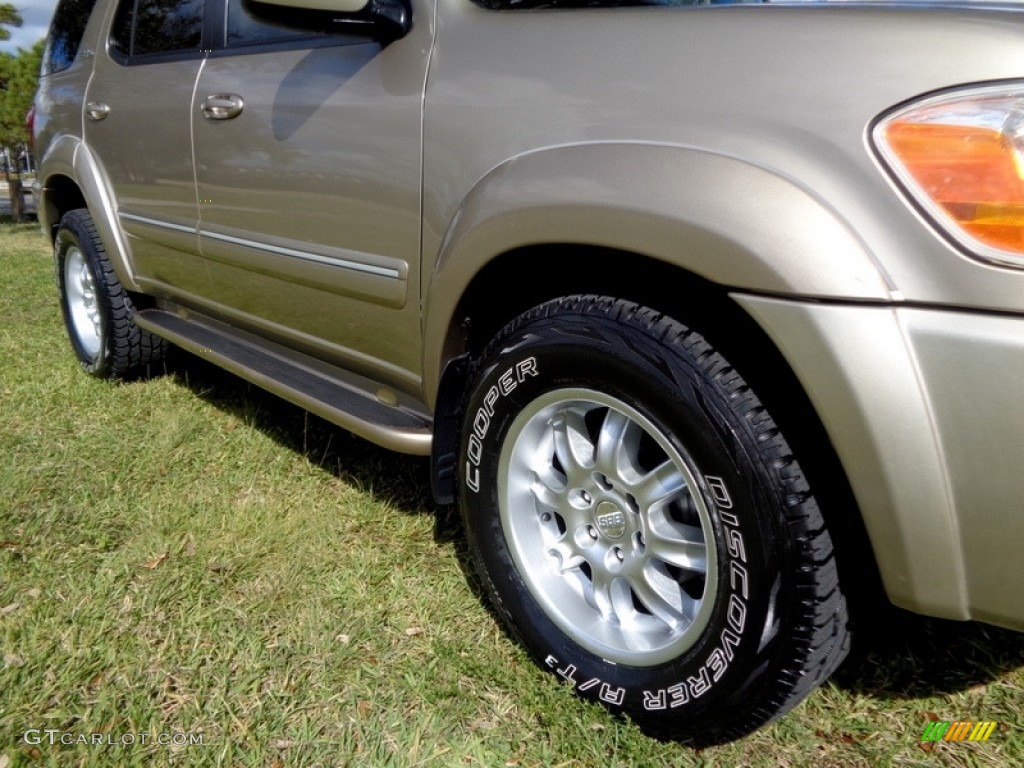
point(499, 293)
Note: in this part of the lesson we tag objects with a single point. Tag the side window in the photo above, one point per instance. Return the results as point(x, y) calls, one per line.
point(144, 27)
point(65, 35)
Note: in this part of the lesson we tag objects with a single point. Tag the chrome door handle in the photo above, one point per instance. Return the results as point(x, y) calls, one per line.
point(222, 106)
point(96, 110)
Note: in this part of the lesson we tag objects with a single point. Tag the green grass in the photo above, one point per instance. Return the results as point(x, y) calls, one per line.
point(190, 555)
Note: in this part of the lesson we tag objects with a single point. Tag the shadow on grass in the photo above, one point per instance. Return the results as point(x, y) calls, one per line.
point(906, 656)
point(31, 223)
point(899, 655)
point(403, 481)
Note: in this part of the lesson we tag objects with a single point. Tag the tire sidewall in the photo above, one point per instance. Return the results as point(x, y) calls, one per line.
point(670, 389)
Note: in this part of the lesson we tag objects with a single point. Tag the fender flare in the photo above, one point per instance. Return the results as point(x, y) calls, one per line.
point(688, 208)
point(70, 157)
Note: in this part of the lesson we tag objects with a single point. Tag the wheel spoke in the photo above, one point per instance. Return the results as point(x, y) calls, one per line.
point(659, 485)
point(572, 445)
point(668, 612)
point(548, 497)
point(618, 444)
point(569, 557)
point(541, 465)
point(682, 553)
point(601, 592)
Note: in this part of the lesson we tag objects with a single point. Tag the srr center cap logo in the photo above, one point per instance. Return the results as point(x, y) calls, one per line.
point(610, 520)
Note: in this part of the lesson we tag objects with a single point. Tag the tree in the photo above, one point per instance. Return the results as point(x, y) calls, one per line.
point(19, 77)
point(9, 17)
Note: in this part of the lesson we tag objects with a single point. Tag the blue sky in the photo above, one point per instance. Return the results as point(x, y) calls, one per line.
point(36, 14)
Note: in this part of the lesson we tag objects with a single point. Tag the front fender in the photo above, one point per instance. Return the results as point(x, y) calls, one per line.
point(728, 221)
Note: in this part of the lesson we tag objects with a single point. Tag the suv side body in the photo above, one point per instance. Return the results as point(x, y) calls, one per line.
point(376, 211)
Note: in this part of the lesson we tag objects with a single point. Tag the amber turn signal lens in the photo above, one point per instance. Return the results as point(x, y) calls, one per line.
point(962, 159)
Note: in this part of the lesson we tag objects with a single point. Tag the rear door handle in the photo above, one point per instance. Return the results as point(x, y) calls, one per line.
point(222, 106)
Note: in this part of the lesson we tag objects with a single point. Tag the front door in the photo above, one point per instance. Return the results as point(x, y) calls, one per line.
point(307, 149)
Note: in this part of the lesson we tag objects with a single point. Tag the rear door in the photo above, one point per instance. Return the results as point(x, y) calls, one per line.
point(307, 148)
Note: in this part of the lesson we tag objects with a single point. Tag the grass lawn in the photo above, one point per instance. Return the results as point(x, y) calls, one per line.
point(188, 558)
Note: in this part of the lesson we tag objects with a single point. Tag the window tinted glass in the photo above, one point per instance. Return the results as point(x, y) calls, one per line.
point(66, 32)
point(157, 26)
point(250, 23)
point(506, 5)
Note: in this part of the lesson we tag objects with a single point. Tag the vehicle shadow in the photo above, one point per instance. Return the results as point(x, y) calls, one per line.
point(403, 481)
point(897, 654)
point(901, 655)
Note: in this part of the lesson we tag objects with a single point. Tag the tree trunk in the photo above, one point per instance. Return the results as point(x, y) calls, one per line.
point(14, 191)
point(17, 200)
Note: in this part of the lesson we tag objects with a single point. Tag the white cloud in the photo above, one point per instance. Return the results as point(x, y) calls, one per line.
point(36, 15)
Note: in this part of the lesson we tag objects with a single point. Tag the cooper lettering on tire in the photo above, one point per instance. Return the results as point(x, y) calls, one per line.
point(641, 525)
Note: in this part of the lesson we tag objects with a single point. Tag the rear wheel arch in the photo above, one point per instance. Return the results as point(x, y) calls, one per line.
point(60, 195)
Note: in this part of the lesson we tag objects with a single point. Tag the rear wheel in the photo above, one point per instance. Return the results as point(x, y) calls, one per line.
point(641, 525)
point(98, 312)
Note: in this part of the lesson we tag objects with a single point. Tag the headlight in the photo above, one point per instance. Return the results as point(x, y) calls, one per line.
point(961, 157)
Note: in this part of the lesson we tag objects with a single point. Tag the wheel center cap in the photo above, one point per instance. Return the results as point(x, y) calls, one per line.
point(610, 520)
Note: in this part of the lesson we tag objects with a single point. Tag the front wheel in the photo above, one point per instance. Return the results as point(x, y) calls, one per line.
point(640, 524)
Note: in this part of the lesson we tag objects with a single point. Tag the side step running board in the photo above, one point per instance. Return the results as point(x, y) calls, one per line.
point(339, 396)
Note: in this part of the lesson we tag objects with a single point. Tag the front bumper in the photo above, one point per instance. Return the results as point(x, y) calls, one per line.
point(925, 410)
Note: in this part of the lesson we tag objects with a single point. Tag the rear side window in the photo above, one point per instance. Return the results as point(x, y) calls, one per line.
point(65, 35)
point(146, 27)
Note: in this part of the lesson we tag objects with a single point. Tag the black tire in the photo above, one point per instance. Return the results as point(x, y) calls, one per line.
point(640, 524)
point(98, 312)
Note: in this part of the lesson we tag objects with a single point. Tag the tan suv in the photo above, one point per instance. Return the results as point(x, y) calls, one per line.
point(707, 316)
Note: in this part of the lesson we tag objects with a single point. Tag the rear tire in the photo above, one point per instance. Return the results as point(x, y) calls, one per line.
point(640, 524)
point(98, 312)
